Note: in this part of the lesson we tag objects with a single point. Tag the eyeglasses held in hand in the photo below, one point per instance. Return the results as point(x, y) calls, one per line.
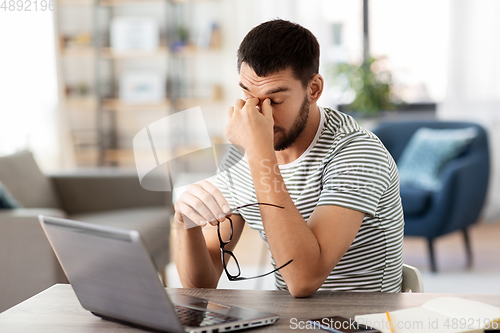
point(237, 272)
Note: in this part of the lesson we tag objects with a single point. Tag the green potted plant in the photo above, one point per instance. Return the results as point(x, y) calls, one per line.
point(372, 85)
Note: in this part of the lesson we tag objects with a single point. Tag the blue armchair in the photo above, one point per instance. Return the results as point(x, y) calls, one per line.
point(458, 203)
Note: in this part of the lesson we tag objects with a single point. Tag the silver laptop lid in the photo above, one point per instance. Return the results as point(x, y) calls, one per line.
point(111, 273)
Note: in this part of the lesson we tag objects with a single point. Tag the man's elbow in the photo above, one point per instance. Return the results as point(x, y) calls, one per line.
point(301, 290)
point(304, 284)
point(205, 284)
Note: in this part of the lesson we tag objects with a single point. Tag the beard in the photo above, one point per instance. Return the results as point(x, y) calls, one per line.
point(290, 136)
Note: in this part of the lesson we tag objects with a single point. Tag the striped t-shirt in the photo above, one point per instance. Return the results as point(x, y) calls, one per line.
point(345, 166)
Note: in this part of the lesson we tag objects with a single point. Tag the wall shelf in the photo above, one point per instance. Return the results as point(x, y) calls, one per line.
point(110, 54)
point(118, 105)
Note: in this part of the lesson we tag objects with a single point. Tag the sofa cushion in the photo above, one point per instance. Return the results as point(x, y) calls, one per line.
point(153, 223)
point(7, 201)
point(415, 200)
point(31, 188)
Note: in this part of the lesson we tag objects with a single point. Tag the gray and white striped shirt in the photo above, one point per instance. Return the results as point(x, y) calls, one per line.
point(345, 166)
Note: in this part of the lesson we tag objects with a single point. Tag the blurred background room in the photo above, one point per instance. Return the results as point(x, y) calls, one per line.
point(79, 79)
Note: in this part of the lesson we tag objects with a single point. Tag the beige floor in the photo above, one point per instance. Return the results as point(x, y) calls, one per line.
point(450, 250)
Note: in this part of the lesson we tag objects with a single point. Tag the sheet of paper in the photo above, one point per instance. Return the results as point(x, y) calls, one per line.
point(420, 320)
point(414, 320)
point(470, 314)
point(441, 315)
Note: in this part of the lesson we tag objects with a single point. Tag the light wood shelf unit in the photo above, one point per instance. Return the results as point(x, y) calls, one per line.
point(108, 53)
point(121, 106)
point(77, 3)
point(99, 98)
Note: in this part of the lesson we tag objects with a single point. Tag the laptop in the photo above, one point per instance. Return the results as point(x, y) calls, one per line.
point(115, 278)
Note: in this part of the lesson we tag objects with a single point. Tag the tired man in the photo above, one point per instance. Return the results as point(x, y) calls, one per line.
point(341, 222)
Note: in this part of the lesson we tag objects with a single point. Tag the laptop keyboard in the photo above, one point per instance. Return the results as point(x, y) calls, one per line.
point(197, 318)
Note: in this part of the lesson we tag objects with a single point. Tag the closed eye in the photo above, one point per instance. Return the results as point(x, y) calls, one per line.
point(276, 103)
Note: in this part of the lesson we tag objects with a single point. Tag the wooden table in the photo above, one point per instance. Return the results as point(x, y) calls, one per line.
point(58, 310)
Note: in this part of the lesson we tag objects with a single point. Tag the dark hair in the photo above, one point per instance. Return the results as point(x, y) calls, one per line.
point(277, 45)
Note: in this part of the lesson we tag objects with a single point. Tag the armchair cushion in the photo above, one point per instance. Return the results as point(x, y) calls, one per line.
point(415, 200)
point(428, 151)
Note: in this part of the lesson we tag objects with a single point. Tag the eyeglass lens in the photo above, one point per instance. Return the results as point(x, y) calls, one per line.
point(225, 239)
point(232, 266)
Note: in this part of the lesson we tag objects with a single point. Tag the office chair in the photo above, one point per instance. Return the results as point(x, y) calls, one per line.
point(412, 280)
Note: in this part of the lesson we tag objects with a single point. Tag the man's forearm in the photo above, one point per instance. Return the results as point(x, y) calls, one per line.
point(193, 260)
point(288, 235)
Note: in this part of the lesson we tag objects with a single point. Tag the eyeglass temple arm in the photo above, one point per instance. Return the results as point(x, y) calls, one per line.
point(262, 275)
point(253, 204)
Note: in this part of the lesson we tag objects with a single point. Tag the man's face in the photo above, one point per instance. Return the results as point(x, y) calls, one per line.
point(288, 100)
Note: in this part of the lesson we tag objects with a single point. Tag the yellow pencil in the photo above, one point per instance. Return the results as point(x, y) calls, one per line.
point(390, 322)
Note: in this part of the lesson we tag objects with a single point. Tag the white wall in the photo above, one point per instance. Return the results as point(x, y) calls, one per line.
point(474, 79)
point(28, 86)
point(415, 37)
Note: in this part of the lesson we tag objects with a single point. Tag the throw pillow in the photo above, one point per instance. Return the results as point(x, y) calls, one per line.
point(7, 201)
point(428, 151)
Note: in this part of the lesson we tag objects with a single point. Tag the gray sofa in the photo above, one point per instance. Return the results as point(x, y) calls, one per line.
point(104, 196)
